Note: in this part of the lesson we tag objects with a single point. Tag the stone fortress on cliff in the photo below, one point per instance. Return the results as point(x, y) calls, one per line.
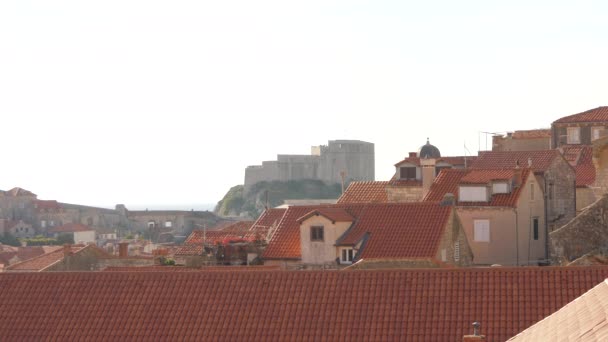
point(351, 159)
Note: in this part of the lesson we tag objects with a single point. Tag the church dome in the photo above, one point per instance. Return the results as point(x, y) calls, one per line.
point(428, 151)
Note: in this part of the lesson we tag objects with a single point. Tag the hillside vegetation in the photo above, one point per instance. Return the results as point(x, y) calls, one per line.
point(252, 204)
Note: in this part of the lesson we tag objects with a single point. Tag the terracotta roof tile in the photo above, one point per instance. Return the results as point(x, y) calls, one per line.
point(584, 319)
point(457, 160)
point(486, 176)
point(448, 181)
point(47, 205)
point(599, 114)
point(399, 230)
point(365, 192)
point(332, 214)
point(41, 262)
point(191, 249)
point(70, 228)
point(396, 230)
point(581, 158)
point(541, 160)
point(382, 305)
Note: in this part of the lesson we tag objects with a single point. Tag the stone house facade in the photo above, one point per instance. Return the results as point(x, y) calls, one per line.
point(580, 129)
point(337, 236)
point(502, 212)
point(528, 140)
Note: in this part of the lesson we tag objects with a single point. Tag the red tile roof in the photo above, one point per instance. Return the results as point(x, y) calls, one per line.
point(541, 160)
point(486, 176)
point(396, 230)
point(457, 160)
point(365, 192)
point(399, 230)
point(407, 305)
point(448, 182)
point(532, 134)
point(190, 269)
point(19, 192)
point(41, 262)
point(599, 114)
point(583, 319)
point(47, 205)
point(581, 158)
point(332, 214)
point(70, 228)
point(191, 249)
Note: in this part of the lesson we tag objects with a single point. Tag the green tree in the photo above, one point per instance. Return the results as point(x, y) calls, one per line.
point(9, 239)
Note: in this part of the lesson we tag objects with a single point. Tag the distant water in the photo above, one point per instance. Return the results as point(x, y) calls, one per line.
point(196, 207)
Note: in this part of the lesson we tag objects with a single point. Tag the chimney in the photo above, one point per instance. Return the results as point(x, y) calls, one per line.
point(1, 268)
point(517, 164)
point(428, 174)
point(476, 336)
point(529, 162)
point(67, 250)
point(123, 249)
point(413, 155)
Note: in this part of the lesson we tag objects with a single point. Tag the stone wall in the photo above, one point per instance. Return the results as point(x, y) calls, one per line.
point(558, 184)
point(510, 143)
point(404, 194)
point(587, 233)
point(453, 234)
point(355, 158)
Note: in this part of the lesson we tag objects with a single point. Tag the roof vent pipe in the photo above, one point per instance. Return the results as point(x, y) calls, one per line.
point(476, 326)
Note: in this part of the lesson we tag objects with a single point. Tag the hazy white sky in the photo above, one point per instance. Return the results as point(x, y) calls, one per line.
point(166, 102)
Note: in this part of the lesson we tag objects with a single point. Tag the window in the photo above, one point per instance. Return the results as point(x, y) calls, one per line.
point(52, 223)
point(347, 256)
point(151, 224)
point(408, 172)
point(596, 133)
point(531, 191)
point(500, 188)
point(481, 230)
point(535, 228)
point(43, 224)
point(168, 224)
point(574, 135)
point(316, 233)
point(473, 194)
point(457, 251)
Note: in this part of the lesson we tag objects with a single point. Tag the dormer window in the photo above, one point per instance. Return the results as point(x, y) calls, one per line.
point(347, 256)
point(407, 172)
point(316, 233)
point(500, 188)
point(473, 193)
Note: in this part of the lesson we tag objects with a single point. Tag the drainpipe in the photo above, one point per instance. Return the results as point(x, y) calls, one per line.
point(547, 220)
point(516, 237)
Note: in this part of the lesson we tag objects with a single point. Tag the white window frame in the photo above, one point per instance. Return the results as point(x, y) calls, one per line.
point(473, 193)
point(168, 224)
point(345, 254)
point(573, 135)
point(500, 188)
point(481, 230)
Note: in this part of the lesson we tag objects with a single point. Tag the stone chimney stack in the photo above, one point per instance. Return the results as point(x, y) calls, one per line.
point(476, 335)
point(123, 249)
point(428, 174)
point(67, 250)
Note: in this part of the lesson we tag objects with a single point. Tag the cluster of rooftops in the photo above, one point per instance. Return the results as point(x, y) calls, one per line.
point(410, 260)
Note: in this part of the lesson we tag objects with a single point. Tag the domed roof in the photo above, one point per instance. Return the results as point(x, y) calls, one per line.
point(428, 151)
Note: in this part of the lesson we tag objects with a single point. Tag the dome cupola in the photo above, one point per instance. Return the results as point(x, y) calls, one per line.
point(428, 151)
